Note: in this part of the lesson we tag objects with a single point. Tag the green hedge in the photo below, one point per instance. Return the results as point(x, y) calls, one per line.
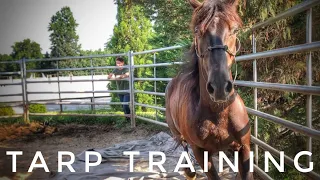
point(6, 111)
point(37, 108)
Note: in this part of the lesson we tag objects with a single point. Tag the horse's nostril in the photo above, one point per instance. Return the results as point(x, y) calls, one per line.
point(210, 88)
point(229, 87)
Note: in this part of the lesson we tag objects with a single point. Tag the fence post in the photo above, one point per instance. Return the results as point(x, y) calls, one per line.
point(23, 90)
point(309, 79)
point(58, 78)
point(92, 83)
point(25, 93)
point(131, 88)
point(155, 83)
point(255, 96)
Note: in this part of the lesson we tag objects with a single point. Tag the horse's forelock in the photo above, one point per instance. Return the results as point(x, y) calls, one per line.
point(205, 14)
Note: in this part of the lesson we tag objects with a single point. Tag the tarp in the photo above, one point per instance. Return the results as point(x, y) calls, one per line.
point(115, 165)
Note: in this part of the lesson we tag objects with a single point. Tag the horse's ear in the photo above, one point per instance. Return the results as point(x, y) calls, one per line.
point(194, 3)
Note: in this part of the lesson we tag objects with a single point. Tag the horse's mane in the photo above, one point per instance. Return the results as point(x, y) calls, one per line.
point(189, 73)
point(191, 63)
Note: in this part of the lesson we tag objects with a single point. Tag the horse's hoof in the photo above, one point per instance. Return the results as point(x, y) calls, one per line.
point(190, 176)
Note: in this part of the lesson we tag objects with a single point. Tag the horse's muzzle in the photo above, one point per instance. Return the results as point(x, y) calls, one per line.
point(220, 93)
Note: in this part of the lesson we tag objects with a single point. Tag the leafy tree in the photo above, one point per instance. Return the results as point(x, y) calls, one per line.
point(47, 64)
point(132, 32)
point(27, 49)
point(101, 61)
point(8, 67)
point(171, 20)
point(171, 26)
point(63, 37)
point(47, 55)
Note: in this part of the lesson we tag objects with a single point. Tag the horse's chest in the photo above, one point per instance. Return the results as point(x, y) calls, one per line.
point(208, 128)
point(209, 134)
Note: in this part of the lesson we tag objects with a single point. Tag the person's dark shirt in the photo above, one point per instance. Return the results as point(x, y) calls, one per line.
point(121, 84)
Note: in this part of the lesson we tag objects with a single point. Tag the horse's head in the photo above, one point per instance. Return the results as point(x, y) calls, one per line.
point(215, 24)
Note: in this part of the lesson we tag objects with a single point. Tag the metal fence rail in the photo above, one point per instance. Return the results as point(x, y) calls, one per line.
point(149, 92)
point(312, 46)
point(73, 69)
point(156, 50)
point(149, 106)
point(288, 124)
point(5, 95)
point(72, 92)
point(66, 81)
point(81, 115)
point(9, 73)
point(9, 84)
point(152, 79)
point(76, 57)
point(81, 103)
point(312, 90)
point(158, 65)
point(306, 5)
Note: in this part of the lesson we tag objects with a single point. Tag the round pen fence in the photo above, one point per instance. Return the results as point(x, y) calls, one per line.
point(308, 89)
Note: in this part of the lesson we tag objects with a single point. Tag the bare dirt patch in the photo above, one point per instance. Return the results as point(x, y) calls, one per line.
point(49, 140)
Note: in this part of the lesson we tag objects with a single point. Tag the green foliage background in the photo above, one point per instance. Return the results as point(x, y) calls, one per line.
point(133, 32)
point(37, 108)
point(6, 110)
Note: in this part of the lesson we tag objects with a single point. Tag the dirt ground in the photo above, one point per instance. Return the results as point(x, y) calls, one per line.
point(50, 140)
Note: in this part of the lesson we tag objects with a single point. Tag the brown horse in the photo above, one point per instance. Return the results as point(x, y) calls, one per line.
point(202, 107)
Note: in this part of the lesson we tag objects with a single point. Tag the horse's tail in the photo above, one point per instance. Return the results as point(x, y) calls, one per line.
point(178, 142)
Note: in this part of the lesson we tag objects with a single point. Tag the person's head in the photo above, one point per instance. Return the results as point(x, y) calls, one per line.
point(119, 62)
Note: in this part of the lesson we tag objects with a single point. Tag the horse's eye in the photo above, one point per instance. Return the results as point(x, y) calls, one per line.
point(235, 31)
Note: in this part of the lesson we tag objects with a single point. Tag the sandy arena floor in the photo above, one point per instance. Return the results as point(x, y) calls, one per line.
point(50, 140)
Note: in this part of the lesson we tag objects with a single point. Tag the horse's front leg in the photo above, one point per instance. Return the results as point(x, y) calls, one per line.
point(239, 119)
point(244, 160)
point(188, 173)
point(212, 173)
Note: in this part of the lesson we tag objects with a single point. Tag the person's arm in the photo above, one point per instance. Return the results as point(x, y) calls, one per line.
point(124, 75)
point(111, 74)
